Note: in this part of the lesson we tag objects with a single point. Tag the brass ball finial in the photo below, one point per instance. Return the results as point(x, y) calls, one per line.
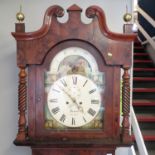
point(127, 17)
point(20, 16)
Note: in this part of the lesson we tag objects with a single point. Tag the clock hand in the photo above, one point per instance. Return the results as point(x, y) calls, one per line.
point(72, 98)
point(79, 107)
point(66, 93)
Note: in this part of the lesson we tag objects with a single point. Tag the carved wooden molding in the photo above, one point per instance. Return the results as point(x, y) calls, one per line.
point(57, 11)
point(51, 12)
point(95, 11)
point(95, 33)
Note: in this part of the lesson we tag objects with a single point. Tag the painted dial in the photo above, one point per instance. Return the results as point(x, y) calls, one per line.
point(74, 100)
point(73, 51)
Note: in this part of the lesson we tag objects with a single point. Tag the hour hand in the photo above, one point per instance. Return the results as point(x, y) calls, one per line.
point(72, 98)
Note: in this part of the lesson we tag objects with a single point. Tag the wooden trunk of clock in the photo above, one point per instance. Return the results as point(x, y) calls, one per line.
point(73, 151)
point(70, 85)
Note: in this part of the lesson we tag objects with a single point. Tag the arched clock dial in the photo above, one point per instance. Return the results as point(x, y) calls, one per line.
point(71, 56)
point(74, 100)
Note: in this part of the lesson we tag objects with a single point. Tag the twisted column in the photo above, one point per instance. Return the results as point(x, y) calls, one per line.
point(22, 95)
point(126, 105)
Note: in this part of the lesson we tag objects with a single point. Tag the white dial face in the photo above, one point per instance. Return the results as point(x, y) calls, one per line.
point(74, 100)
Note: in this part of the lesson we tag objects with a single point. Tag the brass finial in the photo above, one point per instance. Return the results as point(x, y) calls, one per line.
point(20, 16)
point(127, 16)
point(109, 54)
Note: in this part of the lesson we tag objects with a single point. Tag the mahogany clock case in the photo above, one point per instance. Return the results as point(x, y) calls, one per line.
point(37, 128)
point(35, 52)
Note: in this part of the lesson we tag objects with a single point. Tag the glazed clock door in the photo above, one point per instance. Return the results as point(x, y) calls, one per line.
point(74, 83)
point(74, 87)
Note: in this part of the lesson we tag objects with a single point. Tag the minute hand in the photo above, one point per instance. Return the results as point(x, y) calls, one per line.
point(67, 93)
point(72, 98)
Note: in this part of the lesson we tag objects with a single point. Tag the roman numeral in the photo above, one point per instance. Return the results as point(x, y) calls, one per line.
point(92, 91)
point(62, 118)
point(94, 101)
point(85, 83)
point(64, 83)
point(56, 90)
point(73, 121)
point(54, 100)
point(55, 110)
point(74, 80)
point(84, 119)
point(91, 112)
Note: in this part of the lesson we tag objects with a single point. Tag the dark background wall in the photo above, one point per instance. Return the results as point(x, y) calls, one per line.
point(149, 7)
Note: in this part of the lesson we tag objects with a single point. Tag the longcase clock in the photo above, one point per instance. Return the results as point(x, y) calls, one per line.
point(69, 85)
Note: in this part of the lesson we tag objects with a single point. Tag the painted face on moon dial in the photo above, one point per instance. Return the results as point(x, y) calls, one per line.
point(74, 100)
point(74, 53)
